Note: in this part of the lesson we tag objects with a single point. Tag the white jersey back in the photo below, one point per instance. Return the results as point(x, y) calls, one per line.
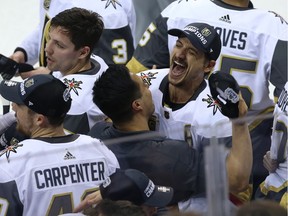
point(279, 150)
point(247, 49)
point(275, 185)
point(52, 176)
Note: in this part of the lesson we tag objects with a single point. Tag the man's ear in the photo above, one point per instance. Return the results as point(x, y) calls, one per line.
point(40, 119)
point(84, 52)
point(208, 66)
point(136, 105)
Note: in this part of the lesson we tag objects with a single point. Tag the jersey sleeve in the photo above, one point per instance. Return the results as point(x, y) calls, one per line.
point(10, 203)
point(129, 8)
point(30, 45)
point(31, 42)
point(278, 75)
point(152, 48)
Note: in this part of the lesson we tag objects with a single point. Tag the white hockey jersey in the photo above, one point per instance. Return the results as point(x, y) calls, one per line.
point(276, 183)
point(83, 113)
point(254, 45)
point(116, 44)
point(193, 119)
point(50, 176)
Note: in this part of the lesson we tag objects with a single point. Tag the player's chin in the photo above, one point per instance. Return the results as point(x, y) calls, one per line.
point(176, 79)
point(51, 66)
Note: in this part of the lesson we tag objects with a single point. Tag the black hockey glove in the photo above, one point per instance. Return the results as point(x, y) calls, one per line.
point(9, 67)
point(225, 91)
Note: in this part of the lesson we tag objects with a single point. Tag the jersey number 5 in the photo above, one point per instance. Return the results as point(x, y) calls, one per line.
point(230, 63)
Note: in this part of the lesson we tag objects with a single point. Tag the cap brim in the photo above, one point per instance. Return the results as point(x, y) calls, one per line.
point(9, 90)
point(161, 197)
point(194, 41)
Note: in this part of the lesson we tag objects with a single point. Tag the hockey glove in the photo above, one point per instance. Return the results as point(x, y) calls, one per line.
point(9, 67)
point(225, 91)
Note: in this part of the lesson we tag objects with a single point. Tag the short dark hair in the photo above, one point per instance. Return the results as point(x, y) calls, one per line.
point(84, 27)
point(114, 93)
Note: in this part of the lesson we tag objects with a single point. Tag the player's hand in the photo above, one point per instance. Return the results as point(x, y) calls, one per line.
point(91, 199)
point(39, 70)
point(270, 164)
point(242, 106)
point(18, 56)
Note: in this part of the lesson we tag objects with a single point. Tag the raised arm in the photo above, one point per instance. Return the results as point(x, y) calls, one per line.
point(239, 160)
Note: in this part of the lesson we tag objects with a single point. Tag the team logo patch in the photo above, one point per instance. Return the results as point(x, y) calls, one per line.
point(212, 103)
point(206, 32)
point(107, 182)
point(229, 94)
point(11, 148)
point(147, 77)
point(73, 85)
point(29, 83)
point(112, 2)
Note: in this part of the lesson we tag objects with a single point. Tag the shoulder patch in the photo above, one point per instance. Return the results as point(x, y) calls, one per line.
point(11, 148)
point(147, 77)
point(73, 85)
point(212, 103)
point(112, 2)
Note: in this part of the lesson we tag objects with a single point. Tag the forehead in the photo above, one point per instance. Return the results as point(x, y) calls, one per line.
point(59, 32)
point(136, 78)
point(184, 40)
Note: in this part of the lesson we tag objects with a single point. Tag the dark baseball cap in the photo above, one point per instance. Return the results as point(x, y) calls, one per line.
point(201, 35)
point(44, 94)
point(135, 186)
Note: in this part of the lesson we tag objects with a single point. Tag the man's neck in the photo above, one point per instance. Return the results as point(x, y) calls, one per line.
point(81, 66)
point(48, 132)
point(238, 3)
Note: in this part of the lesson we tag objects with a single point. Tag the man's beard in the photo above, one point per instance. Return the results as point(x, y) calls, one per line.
point(22, 131)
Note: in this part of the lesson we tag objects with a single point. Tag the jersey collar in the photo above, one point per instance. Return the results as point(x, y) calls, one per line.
point(231, 7)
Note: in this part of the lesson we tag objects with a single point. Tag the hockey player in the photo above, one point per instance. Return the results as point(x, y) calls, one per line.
point(253, 52)
point(167, 162)
point(51, 172)
point(184, 109)
point(72, 35)
point(275, 185)
point(115, 45)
